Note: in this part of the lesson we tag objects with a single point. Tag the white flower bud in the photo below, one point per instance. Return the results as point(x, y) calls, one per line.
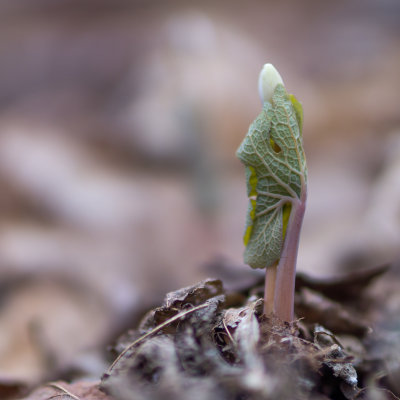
point(267, 82)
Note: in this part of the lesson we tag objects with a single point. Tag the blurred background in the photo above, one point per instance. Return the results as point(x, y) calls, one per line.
point(119, 122)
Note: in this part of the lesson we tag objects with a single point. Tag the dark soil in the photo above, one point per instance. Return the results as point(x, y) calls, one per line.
point(207, 342)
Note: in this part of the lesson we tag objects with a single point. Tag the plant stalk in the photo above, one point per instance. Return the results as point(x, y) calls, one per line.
point(286, 271)
point(269, 291)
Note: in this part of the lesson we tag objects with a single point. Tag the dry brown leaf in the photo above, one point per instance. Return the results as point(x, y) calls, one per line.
point(315, 308)
point(349, 286)
point(65, 391)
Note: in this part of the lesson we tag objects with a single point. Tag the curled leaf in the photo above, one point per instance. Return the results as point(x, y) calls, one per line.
point(276, 175)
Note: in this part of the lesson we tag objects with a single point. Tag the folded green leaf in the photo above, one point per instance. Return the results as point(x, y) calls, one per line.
point(276, 174)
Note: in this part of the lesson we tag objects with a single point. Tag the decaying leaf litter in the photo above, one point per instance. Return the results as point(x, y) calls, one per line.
point(204, 343)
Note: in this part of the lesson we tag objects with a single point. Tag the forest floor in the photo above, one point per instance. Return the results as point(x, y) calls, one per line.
point(210, 342)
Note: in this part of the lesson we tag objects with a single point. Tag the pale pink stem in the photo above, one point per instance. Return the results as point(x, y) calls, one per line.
point(286, 274)
point(269, 292)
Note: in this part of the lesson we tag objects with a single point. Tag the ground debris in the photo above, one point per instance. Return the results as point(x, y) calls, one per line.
point(182, 300)
point(316, 308)
point(178, 300)
point(83, 390)
point(343, 288)
point(337, 360)
point(193, 347)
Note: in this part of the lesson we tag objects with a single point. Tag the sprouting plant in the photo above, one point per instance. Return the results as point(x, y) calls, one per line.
point(276, 174)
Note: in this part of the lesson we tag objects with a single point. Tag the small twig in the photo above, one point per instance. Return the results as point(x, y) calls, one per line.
point(332, 336)
point(64, 391)
point(326, 352)
point(228, 333)
point(153, 331)
point(379, 389)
